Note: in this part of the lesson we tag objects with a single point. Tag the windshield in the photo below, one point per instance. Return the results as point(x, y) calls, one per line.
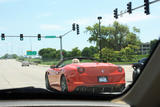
point(73, 46)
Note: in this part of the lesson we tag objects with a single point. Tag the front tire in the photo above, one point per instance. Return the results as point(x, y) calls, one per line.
point(64, 87)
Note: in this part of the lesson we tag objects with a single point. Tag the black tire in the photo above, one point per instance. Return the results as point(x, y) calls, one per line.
point(136, 72)
point(122, 88)
point(64, 87)
point(47, 82)
point(48, 85)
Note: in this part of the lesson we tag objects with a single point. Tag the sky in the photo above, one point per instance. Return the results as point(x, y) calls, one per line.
point(55, 17)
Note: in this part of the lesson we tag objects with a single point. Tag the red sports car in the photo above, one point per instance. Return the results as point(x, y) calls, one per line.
point(85, 74)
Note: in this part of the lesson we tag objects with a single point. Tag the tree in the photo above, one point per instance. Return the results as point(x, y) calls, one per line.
point(107, 54)
point(14, 56)
point(127, 54)
point(5, 56)
point(69, 54)
point(153, 44)
point(64, 53)
point(116, 36)
point(87, 52)
point(75, 52)
point(94, 50)
point(93, 31)
point(47, 53)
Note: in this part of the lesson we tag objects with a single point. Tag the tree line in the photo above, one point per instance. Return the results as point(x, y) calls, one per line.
point(53, 54)
point(118, 43)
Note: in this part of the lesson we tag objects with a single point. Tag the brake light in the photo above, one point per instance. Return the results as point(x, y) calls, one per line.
point(80, 70)
point(120, 69)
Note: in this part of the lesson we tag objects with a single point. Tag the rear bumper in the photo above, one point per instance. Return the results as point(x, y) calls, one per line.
point(101, 87)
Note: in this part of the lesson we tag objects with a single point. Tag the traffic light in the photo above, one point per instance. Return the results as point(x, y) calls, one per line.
point(129, 7)
point(77, 26)
point(21, 37)
point(39, 36)
point(146, 7)
point(2, 36)
point(73, 26)
point(116, 13)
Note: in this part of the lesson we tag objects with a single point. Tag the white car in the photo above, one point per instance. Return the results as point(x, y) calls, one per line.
point(25, 63)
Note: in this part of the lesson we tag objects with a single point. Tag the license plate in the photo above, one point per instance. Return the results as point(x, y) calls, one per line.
point(102, 79)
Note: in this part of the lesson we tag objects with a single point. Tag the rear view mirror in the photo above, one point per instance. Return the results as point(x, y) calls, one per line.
point(52, 66)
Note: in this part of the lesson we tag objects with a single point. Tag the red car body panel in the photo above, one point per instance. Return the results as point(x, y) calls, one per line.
point(89, 78)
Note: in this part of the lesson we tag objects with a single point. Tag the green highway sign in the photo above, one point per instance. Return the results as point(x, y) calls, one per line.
point(50, 36)
point(31, 52)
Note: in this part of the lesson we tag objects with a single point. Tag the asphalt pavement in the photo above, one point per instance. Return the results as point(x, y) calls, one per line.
point(13, 75)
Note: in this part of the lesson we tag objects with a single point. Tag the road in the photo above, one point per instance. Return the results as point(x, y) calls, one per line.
point(13, 75)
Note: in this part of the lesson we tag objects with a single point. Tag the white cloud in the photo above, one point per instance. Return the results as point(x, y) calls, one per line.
point(50, 27)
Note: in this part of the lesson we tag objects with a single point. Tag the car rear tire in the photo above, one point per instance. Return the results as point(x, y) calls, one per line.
point(64, 87)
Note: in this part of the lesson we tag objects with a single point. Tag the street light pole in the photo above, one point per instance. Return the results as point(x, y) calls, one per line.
point(99, 34)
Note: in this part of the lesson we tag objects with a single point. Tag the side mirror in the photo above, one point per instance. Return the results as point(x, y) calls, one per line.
point(52, 66)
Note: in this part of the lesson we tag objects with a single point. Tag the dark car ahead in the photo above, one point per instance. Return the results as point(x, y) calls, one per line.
point(137, 67)
point(139, 64)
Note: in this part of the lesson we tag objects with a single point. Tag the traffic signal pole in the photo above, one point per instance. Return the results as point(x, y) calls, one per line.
point(61, 45)
point(74, 26)
point(61, 52)
point(137, 8)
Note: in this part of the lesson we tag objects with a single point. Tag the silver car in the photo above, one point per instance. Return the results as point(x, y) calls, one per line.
point(25, 63)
